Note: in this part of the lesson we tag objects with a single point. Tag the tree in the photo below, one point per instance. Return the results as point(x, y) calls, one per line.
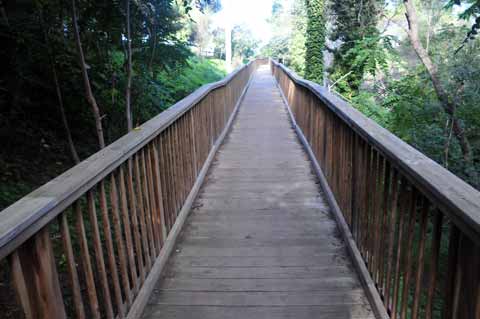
point(353, 22)
point(472, 11)
point(128, 87)
point(449, 104)
point(86, 80)
point(244, 44)
point(58, 89)
point(315, 40)
point(289, 25)
point(296, 44)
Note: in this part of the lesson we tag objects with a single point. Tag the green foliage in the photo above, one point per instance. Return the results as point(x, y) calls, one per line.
point(297, 40)
point(244, 43)
point(368, 56)
point(315, 40)
point(289, 26)
point(355, 26)
point(38, 40)
point(472, 11)
point(366, 103)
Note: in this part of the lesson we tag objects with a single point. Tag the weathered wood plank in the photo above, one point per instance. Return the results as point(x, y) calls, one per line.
point(245, 299)
point(261, 241)
point(262, 312)
point(28, 215)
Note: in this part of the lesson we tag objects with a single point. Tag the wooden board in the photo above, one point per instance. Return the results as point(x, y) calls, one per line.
point(450, 193)
point(260, 241)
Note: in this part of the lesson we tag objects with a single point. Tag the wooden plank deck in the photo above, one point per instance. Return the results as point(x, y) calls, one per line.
point(260, 241)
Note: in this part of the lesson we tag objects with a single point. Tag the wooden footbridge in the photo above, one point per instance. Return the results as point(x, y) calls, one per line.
point(259, 196)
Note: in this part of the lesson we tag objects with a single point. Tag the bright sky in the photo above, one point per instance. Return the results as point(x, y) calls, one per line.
point(252, 13)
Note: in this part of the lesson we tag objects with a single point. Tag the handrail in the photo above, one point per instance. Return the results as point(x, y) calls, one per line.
point(412, 228)
point(32, 212)
point(114, 217)
point(445, 188)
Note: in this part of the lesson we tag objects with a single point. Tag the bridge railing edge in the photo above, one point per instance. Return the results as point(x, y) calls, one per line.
point(93, 233)
point(415, 225)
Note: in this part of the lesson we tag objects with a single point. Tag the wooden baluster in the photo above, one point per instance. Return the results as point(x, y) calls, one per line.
point(353, 188)
point(189, 154)
point(119, 239)
point(328, 145)
point(336, 150)
point(110, 252)
point(350, 179)
point(179, 162)
point(338, 166)
point(365, 200)
point(148, 208)
point(383, 226)
point(190, 146)
point(97, 248)
point(198, 136)
point(186, 152)
point(434, 260)
point(409, 253)
point(420, 258)
point(171, 174)
point(127, 228)
point(71, 266)
point(35, 278)
point(372, 208)
point(86, 262)
point(206, 129)
point(193, 140)
point(321, 132)
point(153, 202)
point(453, 273)
point(158, 191)
point(149, 255)
point(359, 191)
point(406, 198)
point(21, 289)
point(465, 297)
point(210, 120)
point(135, 221)
point(164, 181)
point(391, 239)
point(381, 189)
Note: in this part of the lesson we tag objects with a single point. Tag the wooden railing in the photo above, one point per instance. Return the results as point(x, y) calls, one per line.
point(413, 227)
point(91, 243)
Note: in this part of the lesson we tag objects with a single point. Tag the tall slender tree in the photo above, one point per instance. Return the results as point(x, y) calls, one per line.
point(128, 88)
point(86, 80)
point(448, 103)
point(315, 40)
point(58, 89)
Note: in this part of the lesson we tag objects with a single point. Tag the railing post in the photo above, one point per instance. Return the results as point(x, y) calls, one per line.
point(36, 279)
point(463, 280)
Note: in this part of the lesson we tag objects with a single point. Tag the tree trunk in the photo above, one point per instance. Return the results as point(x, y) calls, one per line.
point(58, 91)
point(86, 81)
point(448, 105)
point(61, 108)
point(154, 49)
point(128, 90)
